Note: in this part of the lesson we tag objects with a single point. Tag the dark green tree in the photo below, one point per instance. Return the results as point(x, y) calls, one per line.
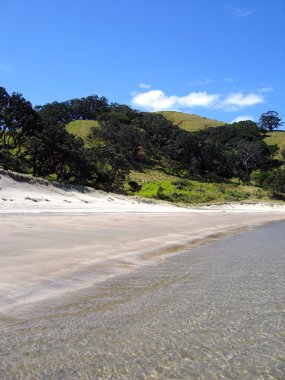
point(123, 138)
point(110, 168)
point(283, 155)
point(18, 120)
point(270, 120)
point(54, 113)
point(273, 150)
point(88, 108)
point(55, 151)
point(250, 155)
point(275, 182)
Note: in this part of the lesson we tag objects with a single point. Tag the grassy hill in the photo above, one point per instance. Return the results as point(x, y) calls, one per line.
point(156, 182)
point(81, 128)
point(277, 138)
point(190, 122)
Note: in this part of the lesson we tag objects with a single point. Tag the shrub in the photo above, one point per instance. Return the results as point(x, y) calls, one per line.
point(259, 176)
point(10, 162)
point(134, 186)
point(179, 185)
point(275, 182)
point(235, 195)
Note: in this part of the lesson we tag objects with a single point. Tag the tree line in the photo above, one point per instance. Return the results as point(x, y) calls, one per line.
point(35, 140)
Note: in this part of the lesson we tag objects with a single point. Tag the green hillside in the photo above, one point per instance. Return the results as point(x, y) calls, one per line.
point(277, 138)
point(151, 154)
point(190, 122)
point(157, 184)
point(81, 128)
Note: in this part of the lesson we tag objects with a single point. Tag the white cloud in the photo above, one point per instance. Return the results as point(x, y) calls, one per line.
point(154, 100)
point(237, 100)
point(157, 100)
point(242, 118)
point(243, 12)
point(144, 85)
point(229, 80)
point(197, 99)
point(266, 89)
point(201, 82)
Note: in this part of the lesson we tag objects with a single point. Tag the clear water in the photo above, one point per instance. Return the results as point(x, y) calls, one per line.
point(214, 312)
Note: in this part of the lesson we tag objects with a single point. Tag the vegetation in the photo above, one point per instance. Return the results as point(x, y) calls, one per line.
point(183, 191)
point(190, 122)
point(82, 128)
point(270, 120)
point(276, 138)
point(107, 146)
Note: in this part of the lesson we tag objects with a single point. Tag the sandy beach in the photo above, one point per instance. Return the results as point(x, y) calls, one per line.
point(56, 240)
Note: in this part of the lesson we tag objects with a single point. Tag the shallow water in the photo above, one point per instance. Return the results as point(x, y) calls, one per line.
point(213, 312)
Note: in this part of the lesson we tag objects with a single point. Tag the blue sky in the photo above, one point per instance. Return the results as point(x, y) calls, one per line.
point(217, 58)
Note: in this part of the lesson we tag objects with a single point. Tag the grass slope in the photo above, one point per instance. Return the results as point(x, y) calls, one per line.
point(277, 138)
point(190, 122)
point(81, 128)
point(158, 185)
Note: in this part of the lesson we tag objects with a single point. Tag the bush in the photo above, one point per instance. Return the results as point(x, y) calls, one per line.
point(179, 185)
point(134, 186)
point(10, 162)
point(235, 195)
point(275, 182)
point(259, 176)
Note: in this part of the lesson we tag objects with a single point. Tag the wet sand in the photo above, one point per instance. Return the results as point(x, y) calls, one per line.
point(46, 256)
point(212, 312)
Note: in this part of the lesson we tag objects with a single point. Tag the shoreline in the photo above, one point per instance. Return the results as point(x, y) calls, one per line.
point(218, 299)
point(55, 256)
point(58, 239)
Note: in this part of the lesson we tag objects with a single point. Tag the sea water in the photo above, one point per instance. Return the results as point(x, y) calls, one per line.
point(212, 312)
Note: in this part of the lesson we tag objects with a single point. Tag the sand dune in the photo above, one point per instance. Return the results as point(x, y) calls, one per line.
point(22, 193)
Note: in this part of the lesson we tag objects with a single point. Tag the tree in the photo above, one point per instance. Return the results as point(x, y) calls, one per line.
point(283, 156)
point(55, 151)
point(275, 182)
point(231, 150)
point(270, 120)
point(110, 168)
point(54, 113)
point(75, 109)
point(273, 150)
point(18, 120)
point(250, 155)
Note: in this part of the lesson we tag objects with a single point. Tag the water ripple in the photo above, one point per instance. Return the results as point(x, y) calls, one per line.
point(215, 312)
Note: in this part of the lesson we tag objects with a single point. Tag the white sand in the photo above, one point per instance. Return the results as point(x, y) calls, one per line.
point(55, 240)
point(24, 194)
point(20, 193)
